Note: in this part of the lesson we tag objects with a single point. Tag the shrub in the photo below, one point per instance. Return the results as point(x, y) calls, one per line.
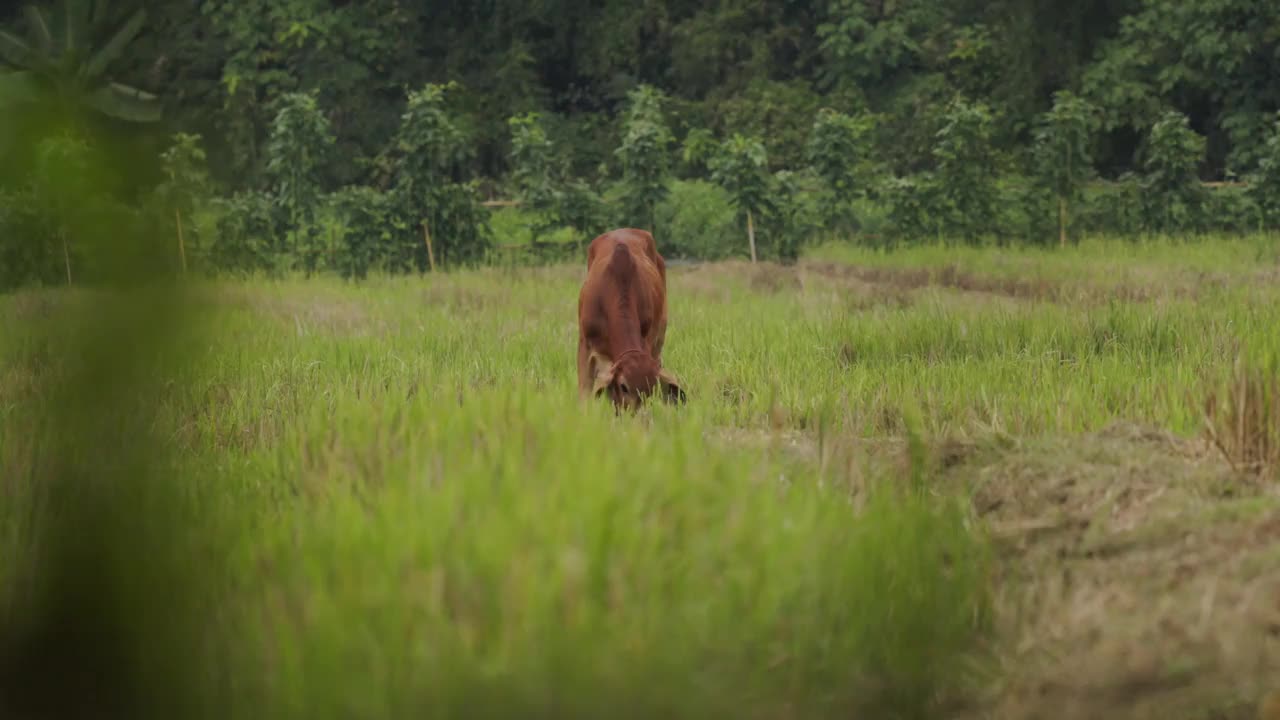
point(1173, 198)
point(246, 240)
point(373, 235)
point(29, 252)
point(1113, 207)
point(698, 220)
point(1233, 210)
point(914, 206)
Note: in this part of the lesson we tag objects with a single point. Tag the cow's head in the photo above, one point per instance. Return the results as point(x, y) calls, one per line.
point(632, 378)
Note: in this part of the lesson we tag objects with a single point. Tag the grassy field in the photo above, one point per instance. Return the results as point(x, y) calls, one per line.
point(933, 482)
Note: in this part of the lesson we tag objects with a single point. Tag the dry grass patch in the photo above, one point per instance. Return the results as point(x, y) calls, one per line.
point(1139, 578)
point(1242, 417)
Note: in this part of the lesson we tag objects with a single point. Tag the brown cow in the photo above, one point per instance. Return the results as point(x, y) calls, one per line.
point(622, 321)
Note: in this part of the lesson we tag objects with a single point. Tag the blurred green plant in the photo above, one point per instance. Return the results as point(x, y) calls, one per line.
point(57, 69)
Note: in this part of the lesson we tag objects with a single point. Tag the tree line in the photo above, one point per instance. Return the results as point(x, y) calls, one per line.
point(330, 135)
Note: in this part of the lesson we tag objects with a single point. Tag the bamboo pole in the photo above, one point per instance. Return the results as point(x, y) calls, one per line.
point(182, 246)
point(1062, 221)
point(426, 236)
point(751, 236)
point(66, 256)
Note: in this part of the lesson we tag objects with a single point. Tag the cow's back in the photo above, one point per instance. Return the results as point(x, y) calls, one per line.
point(646, 274)
point(640, 242)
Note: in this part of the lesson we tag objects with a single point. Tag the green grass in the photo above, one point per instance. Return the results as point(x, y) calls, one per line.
point(401, 508)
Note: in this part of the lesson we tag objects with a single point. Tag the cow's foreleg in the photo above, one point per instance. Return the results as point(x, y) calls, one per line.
point(659, 338)
point(585, 377)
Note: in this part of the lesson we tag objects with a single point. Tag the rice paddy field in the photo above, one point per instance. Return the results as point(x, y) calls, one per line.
point(932, 482)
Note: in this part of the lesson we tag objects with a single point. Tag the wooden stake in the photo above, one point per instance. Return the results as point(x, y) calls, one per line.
point(1062, 221)
point(182, 246)
point(66, 256)
point(426, 236)
point(751, 236)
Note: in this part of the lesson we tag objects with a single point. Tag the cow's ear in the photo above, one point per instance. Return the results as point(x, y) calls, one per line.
point(605, 373)
point(672, 391)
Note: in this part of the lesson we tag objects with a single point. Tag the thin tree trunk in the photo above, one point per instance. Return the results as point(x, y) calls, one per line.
point(1062, 221)
point(751, 236)
point(66, 256)
point(426, 236)
point(182, 246)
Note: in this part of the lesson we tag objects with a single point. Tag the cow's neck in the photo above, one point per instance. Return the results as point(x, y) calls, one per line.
point(622, 310)
point(624, 327)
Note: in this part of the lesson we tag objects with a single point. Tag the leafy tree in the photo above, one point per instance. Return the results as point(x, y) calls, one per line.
point(532, 162)
point(967, 169)
point(62, 187)
point(533, 170)
point(869, 44)
point(837, 152)
point(297, 150)
point(543, 184)
point(431, 144)
point(432, 152)
point(779, 113)
point(57, 74)
point(741, 167)
point(1061, 152)
point(644, 154)
point(262, 42)
point(699, 146)
point(1172, 193)
point(186, 183)
point(580, 207)
point(1264, 185)
point(1209, 55)
point(58, 64)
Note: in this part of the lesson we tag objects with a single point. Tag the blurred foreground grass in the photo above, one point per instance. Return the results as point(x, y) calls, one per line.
point(386, 500)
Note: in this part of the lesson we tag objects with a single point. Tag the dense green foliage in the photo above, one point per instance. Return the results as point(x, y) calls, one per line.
point(919, 118)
